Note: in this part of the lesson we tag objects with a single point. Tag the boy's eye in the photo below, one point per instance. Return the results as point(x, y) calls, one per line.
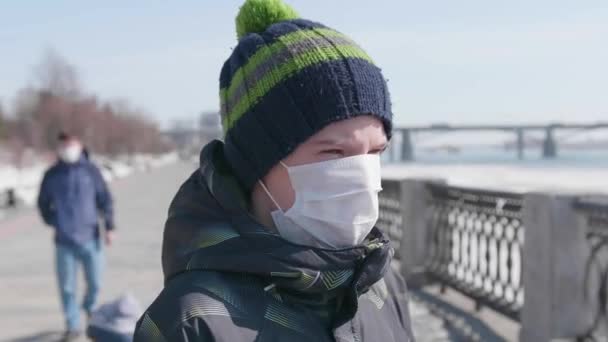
point(378, 150)
point(332, 152)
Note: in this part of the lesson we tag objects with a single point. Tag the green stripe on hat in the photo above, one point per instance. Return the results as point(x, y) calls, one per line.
point(265, 54)
point(279, 58)
point(268, 51)
point(315, 53)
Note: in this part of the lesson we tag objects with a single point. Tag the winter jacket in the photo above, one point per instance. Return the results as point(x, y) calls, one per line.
point(72, 197)
point(228, 279)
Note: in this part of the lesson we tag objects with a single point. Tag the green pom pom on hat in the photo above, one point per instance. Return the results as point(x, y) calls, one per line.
point(255, 16)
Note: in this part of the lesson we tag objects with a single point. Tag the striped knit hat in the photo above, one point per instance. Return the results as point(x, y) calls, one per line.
point(286, 80)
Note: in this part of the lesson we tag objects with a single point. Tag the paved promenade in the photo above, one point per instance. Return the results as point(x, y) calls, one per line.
point(29, 304)
point(30, 308)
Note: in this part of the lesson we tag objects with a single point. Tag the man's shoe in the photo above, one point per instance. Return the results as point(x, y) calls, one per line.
point(71, 335)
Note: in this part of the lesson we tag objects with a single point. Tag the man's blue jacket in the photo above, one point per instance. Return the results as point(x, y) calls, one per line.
point(72, 199)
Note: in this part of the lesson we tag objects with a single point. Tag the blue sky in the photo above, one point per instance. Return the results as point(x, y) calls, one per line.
point(481, 61)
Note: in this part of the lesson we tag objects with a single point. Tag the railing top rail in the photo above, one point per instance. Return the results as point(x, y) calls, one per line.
point(392, 180)
point(597, 203)
point(439, 188)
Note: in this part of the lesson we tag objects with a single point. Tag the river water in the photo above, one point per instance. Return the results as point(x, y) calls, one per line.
point(572, 171)
point(594, 158)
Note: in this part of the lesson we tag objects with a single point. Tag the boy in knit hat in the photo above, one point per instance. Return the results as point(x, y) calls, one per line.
point(273, 237)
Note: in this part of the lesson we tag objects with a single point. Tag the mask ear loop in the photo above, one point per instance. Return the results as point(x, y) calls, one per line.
point(268, 192)
point(269, 195)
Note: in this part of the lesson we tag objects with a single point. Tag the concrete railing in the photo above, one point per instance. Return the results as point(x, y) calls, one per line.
point(540, 259)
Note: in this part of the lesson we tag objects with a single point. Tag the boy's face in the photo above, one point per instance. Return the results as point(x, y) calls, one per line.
point(346, 138)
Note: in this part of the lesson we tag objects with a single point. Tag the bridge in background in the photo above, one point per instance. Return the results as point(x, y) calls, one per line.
point(193, 137)
point(549, 144)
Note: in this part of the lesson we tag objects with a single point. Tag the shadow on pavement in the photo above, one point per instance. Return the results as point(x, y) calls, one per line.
point(40, 337)
point(461, 325)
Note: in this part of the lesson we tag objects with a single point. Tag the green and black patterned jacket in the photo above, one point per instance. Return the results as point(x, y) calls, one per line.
point(230, 280)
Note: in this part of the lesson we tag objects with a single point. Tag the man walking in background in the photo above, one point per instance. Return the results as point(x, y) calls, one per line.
point(72, 196)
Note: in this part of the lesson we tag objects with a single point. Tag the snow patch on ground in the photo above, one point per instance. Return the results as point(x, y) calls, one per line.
point(25, 181)
point(507, 177)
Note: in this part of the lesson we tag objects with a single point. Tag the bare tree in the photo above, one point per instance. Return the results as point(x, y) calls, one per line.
point(57, 104)
point(3, 123)
point(57, 76)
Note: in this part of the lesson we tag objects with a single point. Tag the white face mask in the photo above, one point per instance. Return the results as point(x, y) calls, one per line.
point(70, 153)
point(336, 202)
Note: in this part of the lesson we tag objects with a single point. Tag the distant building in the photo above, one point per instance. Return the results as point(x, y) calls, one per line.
point(189, 137)
point(210, 127)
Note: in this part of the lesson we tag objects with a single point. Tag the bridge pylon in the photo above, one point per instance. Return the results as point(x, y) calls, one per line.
point(520, 143)
point(549, 145)
point(407, 148)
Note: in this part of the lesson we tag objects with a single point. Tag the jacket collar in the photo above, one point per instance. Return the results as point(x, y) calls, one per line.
point(234, 242)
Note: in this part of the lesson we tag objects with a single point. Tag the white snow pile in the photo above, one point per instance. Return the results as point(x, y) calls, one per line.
point(123, 166)
point(574, 180)
point(26, 181)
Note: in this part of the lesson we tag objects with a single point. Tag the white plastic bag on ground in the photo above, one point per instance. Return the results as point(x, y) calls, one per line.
point(115, 321)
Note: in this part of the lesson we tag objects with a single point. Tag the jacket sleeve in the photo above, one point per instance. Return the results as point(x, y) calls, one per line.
point(400, 295)
point(103, 198)
point(192, 330)
point(45, 205)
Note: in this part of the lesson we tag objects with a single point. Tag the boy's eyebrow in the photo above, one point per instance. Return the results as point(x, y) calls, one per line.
point(327, 141)
point(333, 141)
